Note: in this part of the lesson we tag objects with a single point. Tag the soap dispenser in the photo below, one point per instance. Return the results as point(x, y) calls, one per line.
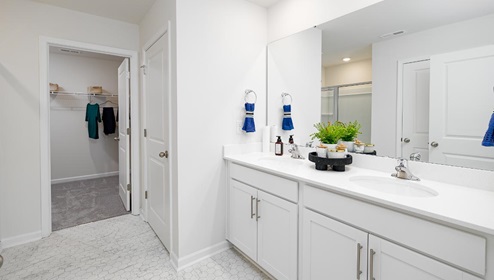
point(278, 147)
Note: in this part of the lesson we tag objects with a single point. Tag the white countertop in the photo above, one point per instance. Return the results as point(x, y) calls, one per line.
point(458, 205)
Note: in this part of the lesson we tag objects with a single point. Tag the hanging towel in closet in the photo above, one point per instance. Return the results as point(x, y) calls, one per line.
point(109, 123)
point(92, 118)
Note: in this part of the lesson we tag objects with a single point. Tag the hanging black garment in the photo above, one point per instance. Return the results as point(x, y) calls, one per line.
point(109, 123)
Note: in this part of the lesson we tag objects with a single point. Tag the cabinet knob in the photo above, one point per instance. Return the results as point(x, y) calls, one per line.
point(434, 144)
point(406, 140)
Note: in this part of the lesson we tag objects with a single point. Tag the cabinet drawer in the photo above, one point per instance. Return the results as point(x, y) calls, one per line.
point(278, 186)
point(454, 246)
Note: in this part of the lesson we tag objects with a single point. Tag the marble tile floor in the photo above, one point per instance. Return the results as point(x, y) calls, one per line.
point(123, 247)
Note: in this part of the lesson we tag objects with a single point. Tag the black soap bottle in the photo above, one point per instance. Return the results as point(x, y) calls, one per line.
point(278, 147)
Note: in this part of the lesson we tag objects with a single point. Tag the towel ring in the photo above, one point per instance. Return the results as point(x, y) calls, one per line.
point(283, 95)
point(249, 91)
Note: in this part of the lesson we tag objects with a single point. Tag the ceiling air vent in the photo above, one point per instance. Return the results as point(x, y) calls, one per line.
point(70, 51)
point(392, 34)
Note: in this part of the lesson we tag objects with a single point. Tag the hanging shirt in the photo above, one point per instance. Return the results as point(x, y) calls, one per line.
point(92, 118)
point(108, 120)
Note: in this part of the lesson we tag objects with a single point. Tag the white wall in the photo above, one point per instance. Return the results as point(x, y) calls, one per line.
point(73, 153)
point(22, 23)
point(294, 67)
point(348, 73)
point(458, 36)
point(223, 42)
point(291, 16)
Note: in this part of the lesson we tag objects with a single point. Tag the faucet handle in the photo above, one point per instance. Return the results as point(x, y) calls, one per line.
point(403, 162)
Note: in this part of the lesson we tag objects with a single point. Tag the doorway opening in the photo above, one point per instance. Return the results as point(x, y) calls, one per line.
point(86, 164)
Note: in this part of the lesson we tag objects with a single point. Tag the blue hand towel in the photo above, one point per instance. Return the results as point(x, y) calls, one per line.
point(489, 135)
point(249, 125)
point(287, 118)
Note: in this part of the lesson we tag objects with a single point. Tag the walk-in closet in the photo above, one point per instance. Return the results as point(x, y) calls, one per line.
point(84, 137)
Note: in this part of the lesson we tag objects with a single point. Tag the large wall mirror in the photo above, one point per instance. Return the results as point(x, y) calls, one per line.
point(420, 78)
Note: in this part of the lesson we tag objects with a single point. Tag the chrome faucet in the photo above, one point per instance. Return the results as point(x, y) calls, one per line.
point(295, 152)
point(403, 172)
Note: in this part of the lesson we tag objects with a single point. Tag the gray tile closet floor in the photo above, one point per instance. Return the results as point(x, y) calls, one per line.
point(123, 247)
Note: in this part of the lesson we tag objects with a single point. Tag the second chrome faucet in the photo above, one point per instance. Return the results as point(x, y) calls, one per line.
point(403, 172)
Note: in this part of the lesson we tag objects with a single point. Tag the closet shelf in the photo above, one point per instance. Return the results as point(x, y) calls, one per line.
point(81, 94)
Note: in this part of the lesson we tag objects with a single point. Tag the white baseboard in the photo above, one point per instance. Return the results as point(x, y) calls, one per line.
point(84, 177)
point(184, 262)
point(21, 239)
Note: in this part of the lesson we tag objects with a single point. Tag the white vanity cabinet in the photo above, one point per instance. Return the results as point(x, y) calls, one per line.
point(332, 250)
point(388, 261)
point(336, 243)
point(263, 225)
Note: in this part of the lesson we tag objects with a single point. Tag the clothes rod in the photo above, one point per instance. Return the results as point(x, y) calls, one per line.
point(82, 94)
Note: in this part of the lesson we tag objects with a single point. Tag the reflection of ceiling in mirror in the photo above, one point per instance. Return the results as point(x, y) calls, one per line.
point(265, 3)
point(352, 35)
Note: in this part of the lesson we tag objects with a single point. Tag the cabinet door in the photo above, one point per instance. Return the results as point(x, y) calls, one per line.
point(242, 220)
point(332, 250)
point(277, 236)
point(388, 261)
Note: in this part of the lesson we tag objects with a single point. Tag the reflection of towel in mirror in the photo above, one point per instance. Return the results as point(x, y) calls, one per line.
point(249, 125)
point(287, 118)
point(92, 118)
point(109, 123)
point(489, 135)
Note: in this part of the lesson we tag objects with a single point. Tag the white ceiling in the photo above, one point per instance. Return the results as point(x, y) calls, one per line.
point(265, 3)
point(352, 35)
point(131, 11)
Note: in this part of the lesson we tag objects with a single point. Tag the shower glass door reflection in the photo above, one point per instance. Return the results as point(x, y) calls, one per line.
point(347, 103)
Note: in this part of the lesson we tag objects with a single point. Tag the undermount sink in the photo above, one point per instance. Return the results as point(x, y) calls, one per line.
point(393, 186)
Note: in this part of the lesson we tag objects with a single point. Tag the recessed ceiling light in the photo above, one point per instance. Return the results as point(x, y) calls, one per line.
point(346, 59)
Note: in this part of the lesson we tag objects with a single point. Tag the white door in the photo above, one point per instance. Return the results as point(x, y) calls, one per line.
point(462, 100)
point(415, 134)
point(242, 218)
point(277, 236)
point(332, 250)
point(157, 91)
point(391, 262)
point(123, 125)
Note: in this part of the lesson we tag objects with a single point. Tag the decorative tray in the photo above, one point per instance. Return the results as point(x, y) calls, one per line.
point(337, 164)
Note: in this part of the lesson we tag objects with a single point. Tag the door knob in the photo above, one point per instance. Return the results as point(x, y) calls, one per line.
point(116, 138)
point(434, 144)
point(163, 154)
point(406, 140)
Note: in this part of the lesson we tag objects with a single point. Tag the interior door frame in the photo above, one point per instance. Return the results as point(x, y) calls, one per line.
point(399, 100)
point(45, 156)
point(164, 31)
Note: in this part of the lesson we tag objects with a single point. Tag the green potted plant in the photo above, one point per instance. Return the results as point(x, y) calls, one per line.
point(350, 132)
point(328, 134)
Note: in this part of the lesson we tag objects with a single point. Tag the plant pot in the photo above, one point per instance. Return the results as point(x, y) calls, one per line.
point(349, 145)
point(321, 152)
point(336, 154)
